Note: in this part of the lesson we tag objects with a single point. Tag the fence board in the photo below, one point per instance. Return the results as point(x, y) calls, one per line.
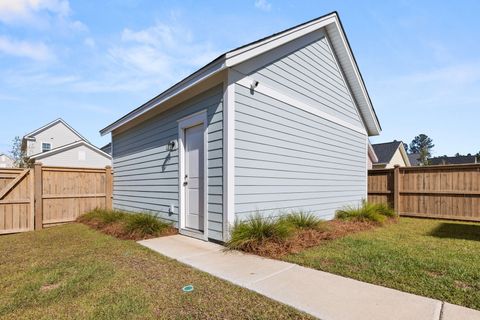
point(449, 192)
point(33, 198)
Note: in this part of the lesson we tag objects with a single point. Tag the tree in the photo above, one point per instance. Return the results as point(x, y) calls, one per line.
point(19, 156)
point(423, 145)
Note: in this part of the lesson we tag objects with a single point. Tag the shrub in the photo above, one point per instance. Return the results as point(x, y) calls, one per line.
point(366, 212)
point(145, 224)
point(102, 217)
point(126, 225)
point(257, 229)
point(303, 220)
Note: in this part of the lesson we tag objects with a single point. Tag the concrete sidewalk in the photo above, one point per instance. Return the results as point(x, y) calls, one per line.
point(323, 295)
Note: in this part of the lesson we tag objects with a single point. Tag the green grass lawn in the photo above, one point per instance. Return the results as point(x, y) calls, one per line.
point(73, 272)
point(437, 259)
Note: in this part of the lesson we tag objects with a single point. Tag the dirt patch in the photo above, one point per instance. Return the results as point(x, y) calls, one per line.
point(306, 238)
point(49, 287)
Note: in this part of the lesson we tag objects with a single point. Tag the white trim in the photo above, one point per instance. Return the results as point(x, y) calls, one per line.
point(358, 77)
point(30, 136)
point(232, 58)
point(298, 104)
point(70, 146)
point(372, 154)
point(185, 123)
point(404, 154)
point(249, 52)
point(195, 78)
point(229, 155)
point(367, 144)
point(345, 81)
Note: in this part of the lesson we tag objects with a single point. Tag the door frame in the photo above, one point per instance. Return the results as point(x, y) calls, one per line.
point(183, 124)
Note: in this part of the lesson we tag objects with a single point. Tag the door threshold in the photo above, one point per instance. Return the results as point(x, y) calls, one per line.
point(197, 234)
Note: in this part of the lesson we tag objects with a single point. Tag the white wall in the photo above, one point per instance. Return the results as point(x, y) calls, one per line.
point(58, 135)
point(80, 156)
point(5, 161)
point(397, 159)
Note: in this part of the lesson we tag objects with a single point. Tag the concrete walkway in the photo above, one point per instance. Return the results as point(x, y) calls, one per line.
point(323, 295)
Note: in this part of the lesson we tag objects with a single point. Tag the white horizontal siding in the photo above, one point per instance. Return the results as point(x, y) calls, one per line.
point(146, 174)
point(311, 75)
point(288, 159)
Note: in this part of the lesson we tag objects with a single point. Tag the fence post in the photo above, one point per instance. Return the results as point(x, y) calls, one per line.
point(108, 188)
point(396, 188)
point(38, 196)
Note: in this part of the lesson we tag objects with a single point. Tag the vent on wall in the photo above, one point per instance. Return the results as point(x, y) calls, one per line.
point(82, 156)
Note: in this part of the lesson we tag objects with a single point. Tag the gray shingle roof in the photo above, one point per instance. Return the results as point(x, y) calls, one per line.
point(453, 160)
point(386, 150)
point(414, 159)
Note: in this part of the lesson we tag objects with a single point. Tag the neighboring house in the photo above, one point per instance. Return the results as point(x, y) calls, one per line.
point(6, 161)
point(414, 159)
point(276, 125)
point(390, 154)
point(58, 144)
point(372, 156)
point(107, 148)
point(453, 160)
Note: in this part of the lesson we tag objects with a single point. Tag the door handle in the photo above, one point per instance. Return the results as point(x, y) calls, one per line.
point(185, 183)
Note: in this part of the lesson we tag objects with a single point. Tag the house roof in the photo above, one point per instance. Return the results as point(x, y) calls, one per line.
point(331, 22)
point(51, 124)
point(6, 155)
point(386, 150)
point(70, 146)
point(453, 160)
point(414, 159)
point(371, 153)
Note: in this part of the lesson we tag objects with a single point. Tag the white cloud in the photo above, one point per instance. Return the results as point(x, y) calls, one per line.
point(89, 42)
point(33, 50)
point(263, 5)
point(25, 10)
point(41, 14)
point(163, 50)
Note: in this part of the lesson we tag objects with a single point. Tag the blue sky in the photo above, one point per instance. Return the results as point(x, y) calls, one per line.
point(91, 62)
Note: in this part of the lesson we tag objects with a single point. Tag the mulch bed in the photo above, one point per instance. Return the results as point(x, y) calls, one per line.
point(303, 239)
point(117, 230)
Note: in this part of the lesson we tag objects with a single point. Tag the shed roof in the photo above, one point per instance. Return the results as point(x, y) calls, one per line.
point(331, 22)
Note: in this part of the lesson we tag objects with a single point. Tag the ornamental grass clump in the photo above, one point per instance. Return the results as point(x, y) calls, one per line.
point(366, 211)
point(303, 220)
point(247, 234)
point(127, 225)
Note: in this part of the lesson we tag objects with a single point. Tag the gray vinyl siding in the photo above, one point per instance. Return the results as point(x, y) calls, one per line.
point(311, 75)
point(146, 174)
point(288, 159)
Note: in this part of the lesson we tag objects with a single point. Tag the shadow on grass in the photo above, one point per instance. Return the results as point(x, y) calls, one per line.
point(457, 231)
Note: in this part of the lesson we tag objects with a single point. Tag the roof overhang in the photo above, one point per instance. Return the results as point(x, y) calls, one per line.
point(331, 22)
point(372, 154)
point(404, 154)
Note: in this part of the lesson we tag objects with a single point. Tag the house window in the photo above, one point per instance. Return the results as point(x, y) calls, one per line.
point(46, 146)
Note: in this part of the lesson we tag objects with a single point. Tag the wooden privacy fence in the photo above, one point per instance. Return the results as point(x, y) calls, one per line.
point(448, 192)
point(34, 198)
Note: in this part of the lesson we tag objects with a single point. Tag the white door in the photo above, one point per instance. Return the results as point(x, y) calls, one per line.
point(193, 180)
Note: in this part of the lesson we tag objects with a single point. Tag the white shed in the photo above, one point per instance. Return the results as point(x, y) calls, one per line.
point(276, 125)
